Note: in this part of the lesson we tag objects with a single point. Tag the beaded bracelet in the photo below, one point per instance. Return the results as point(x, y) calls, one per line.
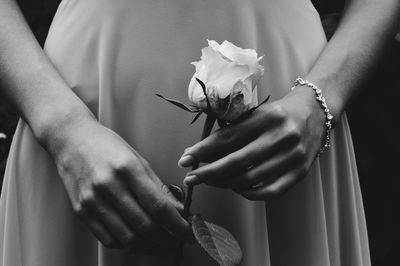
point(321, 99)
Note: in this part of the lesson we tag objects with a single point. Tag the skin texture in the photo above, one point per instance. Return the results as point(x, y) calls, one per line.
point(270, 147)
point(111, 187)
point(95, 164)
point(115, 192)
point(282, 138)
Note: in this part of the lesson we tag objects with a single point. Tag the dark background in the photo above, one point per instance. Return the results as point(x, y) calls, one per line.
point(373, 120)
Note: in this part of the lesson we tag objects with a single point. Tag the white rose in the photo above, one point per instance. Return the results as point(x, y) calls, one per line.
point(230, 75)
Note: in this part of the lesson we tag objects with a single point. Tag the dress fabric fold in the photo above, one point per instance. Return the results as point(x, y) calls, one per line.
point(116, 55)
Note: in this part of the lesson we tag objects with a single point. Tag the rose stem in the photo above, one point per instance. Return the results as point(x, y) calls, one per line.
point(208, 126)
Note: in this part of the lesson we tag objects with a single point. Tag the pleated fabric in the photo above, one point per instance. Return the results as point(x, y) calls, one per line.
point(116, 55)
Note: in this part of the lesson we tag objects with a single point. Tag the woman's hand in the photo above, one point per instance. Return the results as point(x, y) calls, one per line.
point(113, 189)
point(264, 155)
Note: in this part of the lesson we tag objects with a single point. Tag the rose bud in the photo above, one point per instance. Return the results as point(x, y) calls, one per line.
point(230, 75)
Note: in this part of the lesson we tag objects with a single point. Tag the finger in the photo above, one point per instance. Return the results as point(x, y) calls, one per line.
point(274, 189)
point(266, 172)
point(135, 217)
point(220, 143)
point(231, 138)
point(221, 171)
point(155, 202)
point(165, 190)
point(99, 230)
point(147, 168)
point(113, 222)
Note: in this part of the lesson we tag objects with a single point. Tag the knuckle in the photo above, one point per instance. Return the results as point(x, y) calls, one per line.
point(103, 183)
point(86, 200)
point(248, 179)
point(278, 112)
point(78, 209)
point(124, 163)
point(293, 132)
point(300, 153)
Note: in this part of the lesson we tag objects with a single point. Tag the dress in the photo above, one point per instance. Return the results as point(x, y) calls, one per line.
point(116, 55)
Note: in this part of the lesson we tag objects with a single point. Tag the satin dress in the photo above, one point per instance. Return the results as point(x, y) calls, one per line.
point(115, 55)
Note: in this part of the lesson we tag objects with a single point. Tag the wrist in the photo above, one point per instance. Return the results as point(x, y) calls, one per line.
point(307, 98)
point(328, 121)
point(333, 101)
point(53, 127)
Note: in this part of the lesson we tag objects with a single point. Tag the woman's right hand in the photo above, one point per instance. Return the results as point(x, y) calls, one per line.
point(113, 189)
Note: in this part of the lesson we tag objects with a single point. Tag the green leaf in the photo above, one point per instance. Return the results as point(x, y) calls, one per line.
point(181, 105)
point(217, 242)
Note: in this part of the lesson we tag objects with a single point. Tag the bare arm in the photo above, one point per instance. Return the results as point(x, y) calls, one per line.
point(274, 148)
point(365, 30)
point(111, 187)
point(27, 78)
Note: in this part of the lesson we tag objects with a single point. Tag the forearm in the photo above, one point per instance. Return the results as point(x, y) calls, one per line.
point(27, 78)
point(366, 28)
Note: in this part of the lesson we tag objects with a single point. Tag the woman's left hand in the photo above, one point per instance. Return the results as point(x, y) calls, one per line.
point(264, 155)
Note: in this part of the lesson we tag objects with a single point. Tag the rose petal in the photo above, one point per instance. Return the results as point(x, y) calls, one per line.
point(230, 75)
point(214, 71)
point(239, 55)
point(237, 101)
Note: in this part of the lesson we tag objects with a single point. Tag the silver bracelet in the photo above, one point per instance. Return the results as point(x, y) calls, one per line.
point(321, 99)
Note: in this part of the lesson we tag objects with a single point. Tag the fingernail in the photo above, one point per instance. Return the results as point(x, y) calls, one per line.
point(185, 161)
point(191, 180)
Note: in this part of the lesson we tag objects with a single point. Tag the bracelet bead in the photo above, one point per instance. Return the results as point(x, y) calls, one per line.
point(321, 99)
